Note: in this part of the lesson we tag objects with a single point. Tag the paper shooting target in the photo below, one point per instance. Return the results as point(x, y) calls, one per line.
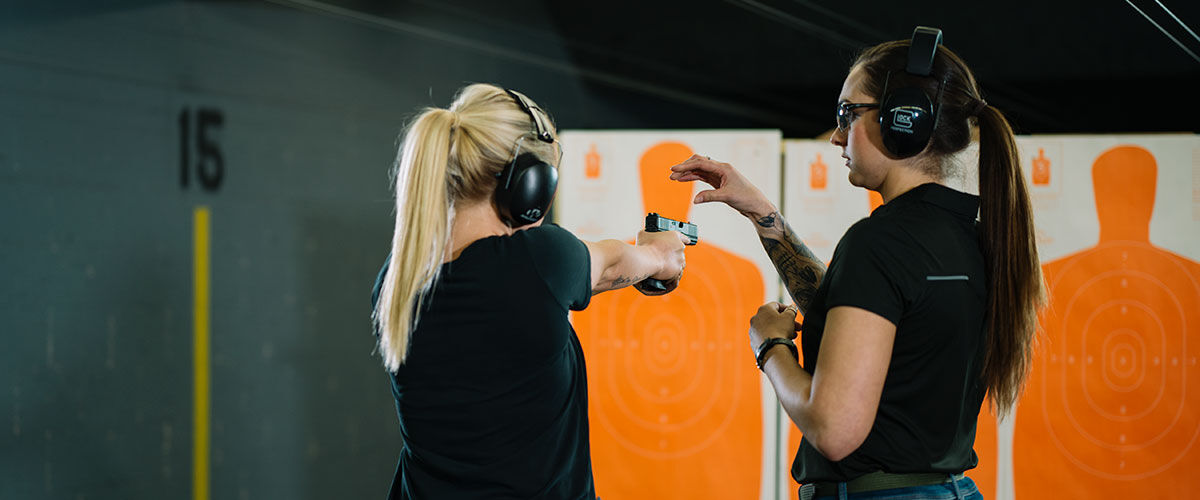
point(1112, 396)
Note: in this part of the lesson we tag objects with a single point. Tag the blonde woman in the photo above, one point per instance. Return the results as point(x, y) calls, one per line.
point(471, 309)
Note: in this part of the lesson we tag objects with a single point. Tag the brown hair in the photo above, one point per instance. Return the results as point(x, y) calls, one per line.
point(1006, 233)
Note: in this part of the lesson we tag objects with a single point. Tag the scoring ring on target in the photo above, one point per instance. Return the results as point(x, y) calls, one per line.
point(1113, 350)
point(663, 349)
point(1122, 354)
point(1085, 387)
point(640, 391)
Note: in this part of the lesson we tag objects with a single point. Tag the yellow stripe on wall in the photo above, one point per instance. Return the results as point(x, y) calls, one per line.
point(200, 354)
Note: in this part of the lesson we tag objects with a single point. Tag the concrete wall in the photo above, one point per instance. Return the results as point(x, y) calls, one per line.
point(96, 299)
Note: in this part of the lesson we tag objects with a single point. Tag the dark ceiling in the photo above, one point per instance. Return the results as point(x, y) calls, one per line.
point(1052, 66)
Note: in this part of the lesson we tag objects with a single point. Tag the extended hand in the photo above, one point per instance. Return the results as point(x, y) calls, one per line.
point(731, 187)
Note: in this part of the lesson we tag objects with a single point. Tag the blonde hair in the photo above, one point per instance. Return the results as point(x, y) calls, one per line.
point(447, 156)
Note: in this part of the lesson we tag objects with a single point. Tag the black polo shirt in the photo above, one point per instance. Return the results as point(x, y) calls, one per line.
point(917, 262)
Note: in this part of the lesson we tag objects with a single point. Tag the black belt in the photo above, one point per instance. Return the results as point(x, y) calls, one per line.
point(880, 480)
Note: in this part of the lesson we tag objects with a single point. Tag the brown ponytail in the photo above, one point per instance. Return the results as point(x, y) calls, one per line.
point(1010, 251)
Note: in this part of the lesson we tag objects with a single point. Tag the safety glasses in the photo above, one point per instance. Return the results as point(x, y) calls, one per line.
point(846, 114)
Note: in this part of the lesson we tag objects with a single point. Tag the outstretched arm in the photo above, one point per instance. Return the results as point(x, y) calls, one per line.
point(616, 264)
point(800, 270)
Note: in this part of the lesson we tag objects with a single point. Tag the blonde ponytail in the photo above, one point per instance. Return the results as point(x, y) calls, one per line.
point(447, 157)
point(422, 225)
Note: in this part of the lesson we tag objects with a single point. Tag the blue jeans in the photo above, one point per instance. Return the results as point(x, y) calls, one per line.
point(963, 489)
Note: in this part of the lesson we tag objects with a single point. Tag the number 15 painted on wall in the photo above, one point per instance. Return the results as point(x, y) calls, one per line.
point(210, 165)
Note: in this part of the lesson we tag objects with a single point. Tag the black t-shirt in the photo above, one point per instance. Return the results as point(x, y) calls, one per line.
point(917, 262)
point(492, 398)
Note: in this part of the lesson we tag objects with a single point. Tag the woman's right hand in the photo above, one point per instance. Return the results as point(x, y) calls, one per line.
point(669, 246)
point(730, 186)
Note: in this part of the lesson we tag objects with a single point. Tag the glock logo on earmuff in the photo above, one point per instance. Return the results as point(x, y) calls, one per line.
point(902, 119)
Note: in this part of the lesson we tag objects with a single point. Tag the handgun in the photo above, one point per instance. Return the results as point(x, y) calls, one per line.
point(656, 223)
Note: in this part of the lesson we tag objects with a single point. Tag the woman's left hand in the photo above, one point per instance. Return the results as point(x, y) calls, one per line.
point(773, 320)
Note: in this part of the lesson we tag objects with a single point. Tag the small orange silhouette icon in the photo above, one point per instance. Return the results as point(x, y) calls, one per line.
point(592, 163)
point(818, 174)
point(1041, 169)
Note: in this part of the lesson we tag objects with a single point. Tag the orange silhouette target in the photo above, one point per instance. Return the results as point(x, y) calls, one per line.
point(874, 199)
point(1111, 407)
point(793, 445)
point(675, 402)
point(986, 444)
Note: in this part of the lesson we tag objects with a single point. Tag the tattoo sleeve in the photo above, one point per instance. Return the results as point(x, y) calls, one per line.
point(800, 270)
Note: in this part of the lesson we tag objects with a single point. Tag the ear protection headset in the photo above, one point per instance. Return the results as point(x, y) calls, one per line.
point(906, 115)
point(525, 188)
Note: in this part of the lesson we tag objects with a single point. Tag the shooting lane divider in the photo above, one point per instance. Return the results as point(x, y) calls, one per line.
point(200, 352)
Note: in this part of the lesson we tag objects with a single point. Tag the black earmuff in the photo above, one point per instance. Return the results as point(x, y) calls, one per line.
point(907, 116)
point(525, 188)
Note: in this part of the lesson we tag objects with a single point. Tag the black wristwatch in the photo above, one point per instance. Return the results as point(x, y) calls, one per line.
point(760, 354)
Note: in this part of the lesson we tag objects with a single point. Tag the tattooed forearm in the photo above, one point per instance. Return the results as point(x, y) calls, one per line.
point(800, 270)
point(621, 281)
point(616, 282)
